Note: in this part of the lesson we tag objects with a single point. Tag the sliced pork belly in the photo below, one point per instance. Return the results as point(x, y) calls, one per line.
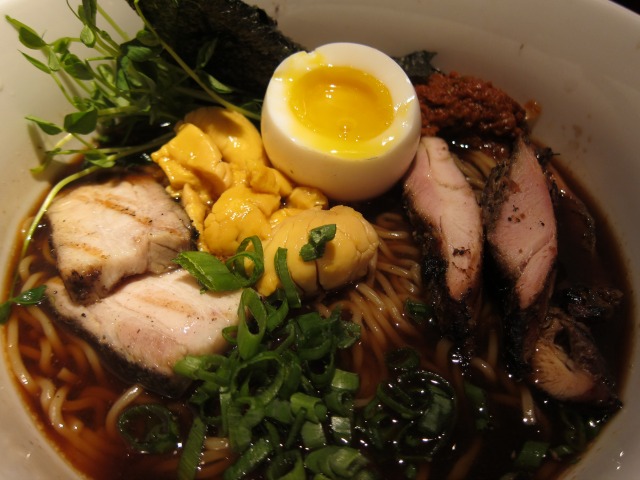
point(144, 327)
point(443, 207)
point(104, 232)
point(567, 365)
point(522, 238)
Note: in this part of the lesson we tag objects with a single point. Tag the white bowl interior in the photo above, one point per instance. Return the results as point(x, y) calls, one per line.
point(578, 58)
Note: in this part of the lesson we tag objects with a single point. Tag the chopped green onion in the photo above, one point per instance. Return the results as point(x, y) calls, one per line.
point(242, 416)
point(339, 402)
point(419, 312)
point(343, 380)
point(404, 359)
point(561, 451)
point(236, 263)
point(315, 410)
point(250, 460)
point(248, 341)
point(478, 399)
point(318, 239)
point(336, 462)
point(296, 426)
point(531, 455)
point(260, 378)
point(149, 428)
point(279, 410)
point(211, 272)
point(286, 466)
point(342, 429)
point(190, 458)
point(435, 419)
point(218, 276)
point(288, 285)
point(313, 436)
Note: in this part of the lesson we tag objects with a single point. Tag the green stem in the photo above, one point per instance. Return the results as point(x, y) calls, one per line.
point(47, 201)
point(113, 24)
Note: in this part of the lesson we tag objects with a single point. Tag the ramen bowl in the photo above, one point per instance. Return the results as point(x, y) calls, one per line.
point(579, 60)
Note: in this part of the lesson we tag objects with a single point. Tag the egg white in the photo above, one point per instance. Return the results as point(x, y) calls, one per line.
point(294, 152)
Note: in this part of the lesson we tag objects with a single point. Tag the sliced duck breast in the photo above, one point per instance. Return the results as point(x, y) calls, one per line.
point(520, 223)
point(443, 208)
point(144, 327)
point(104, 232)
point(522, 238)
point(567, 365)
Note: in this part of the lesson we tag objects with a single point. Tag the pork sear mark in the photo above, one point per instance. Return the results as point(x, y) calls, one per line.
point(104, 232)
point(149, 323)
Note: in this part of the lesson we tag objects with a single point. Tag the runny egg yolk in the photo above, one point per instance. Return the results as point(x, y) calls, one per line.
point(342, 106)
point(343, 118)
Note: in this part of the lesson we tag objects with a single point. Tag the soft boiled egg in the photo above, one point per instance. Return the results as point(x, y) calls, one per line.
point(343, 118)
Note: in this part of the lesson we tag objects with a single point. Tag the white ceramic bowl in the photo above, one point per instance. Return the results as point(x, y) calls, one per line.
point(580, 59)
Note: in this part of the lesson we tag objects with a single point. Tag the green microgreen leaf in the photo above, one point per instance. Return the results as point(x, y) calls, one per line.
point(27, 36)
point(47, 127)
point(99, 158)
point(33, 296)
point(88, 12)
point(82, 123)
point(37, 63)
point(137, 52)
point(61, 45)
point(75, 67)
point(88, 36)
point(214, 84)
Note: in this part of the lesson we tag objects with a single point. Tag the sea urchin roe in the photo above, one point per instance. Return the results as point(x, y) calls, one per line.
point(217, 167)
point(239, 213)
point(347, 258)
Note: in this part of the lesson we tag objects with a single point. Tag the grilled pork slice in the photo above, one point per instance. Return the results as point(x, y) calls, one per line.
point(444, 210)
point(522, 238)
point(567, 365)
point(143, 328)
point(104, 232)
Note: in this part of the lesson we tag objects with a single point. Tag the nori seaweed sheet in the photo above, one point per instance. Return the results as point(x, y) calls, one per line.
point(249, 44)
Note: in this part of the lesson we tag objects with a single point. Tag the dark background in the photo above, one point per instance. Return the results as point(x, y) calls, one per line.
point(630, 4)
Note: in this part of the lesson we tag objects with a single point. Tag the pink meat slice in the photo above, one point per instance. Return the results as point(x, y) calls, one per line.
point(444, 207)
point(521, 226)
point(144, 327)
point(104, 232)
point(443, 197)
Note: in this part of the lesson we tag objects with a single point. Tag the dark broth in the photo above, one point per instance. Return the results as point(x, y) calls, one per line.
point(496, 447)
